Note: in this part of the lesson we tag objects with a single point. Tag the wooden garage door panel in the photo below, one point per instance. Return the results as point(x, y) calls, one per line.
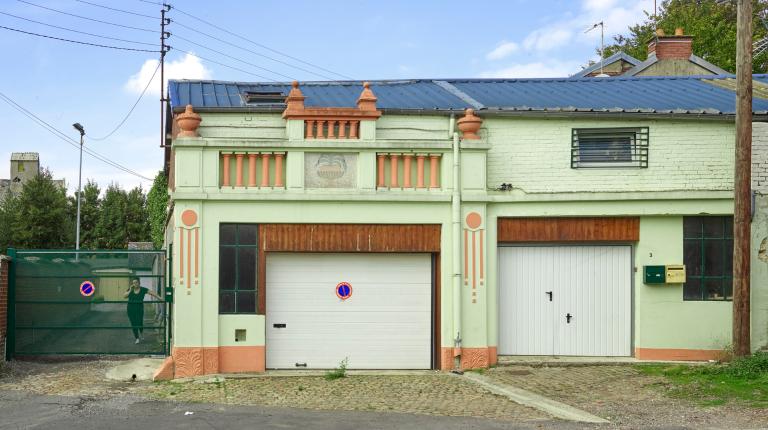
point(385, 324)
point(569, 229)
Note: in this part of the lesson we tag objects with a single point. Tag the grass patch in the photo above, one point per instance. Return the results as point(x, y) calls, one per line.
point(339, 372)
point(743, 380)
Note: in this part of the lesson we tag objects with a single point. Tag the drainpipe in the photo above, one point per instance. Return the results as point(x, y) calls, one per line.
point(456, 234)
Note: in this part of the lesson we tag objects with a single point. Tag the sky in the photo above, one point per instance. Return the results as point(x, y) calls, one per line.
point(63, 83)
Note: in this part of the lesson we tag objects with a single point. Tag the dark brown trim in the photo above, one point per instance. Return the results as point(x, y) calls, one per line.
point(436, 314)
point(569, 229)
point(351, 237)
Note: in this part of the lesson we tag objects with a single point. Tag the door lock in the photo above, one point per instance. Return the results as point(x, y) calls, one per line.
point(279, 325)
point(549, 293)
point(568, 317)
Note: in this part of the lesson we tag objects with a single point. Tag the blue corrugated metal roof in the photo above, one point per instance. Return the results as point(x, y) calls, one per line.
point(677, 94)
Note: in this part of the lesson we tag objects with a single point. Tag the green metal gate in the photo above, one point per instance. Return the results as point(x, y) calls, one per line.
point(74, 302)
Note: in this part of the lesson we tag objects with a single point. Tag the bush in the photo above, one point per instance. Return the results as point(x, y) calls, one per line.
point(339, 372)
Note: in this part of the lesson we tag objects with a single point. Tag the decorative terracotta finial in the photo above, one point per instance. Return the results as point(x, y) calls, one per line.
point(367, 100)
point(188, 122)
point(469, 125)
point(660, 32)
point(679, 31)
point(295, 100)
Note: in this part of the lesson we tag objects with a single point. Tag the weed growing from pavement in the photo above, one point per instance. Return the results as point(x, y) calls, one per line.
point(744, 380)
point(339, 372)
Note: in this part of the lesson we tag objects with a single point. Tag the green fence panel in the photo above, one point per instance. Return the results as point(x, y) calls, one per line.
point(74, 302)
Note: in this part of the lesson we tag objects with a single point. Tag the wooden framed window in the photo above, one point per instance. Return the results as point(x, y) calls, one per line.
point(609, 147)
point(238, 268)
point(708, 257)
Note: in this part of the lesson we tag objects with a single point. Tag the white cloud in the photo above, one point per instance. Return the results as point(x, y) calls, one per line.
point(187, 67)
point(547, 38)
point(503, 50)
point(539, 69)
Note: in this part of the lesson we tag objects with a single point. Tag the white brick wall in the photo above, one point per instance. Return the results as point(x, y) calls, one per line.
point(534, 155)
point(760, 157)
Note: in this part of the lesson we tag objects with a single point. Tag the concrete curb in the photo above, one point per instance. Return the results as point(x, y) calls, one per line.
point(533, 400)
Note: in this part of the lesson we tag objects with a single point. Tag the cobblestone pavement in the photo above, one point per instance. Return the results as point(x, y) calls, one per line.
point(626, 397)
point(425, 393)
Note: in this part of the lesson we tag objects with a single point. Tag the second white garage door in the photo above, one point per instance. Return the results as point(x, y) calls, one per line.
point(384, 324)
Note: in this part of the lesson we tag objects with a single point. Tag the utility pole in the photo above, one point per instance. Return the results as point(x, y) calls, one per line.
point(81, 130)
point(742, 180)
point(163, 50)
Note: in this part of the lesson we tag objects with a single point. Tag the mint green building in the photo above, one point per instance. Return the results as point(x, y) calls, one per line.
point(425, 224)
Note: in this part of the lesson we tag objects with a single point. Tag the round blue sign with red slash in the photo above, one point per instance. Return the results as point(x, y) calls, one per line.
point(344, 290)
point(87, 289)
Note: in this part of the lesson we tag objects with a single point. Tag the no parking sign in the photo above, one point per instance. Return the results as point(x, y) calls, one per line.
point(87, 289)
point(343, 290)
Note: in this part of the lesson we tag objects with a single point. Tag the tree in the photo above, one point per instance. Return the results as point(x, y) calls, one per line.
point(157, 207)
point(90, 207)
point(711, 22)
point(111, 228)
point(41, 215)
point(136, 216)
point(8, 208)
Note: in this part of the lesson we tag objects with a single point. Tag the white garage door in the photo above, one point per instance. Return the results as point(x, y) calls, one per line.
point(384, 324)
point(565, 300)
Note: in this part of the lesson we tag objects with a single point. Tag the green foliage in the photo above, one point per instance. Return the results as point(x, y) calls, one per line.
point(8, 208)
point(41, 215)
point(712, 23)
point(89, 215)
point(339, 372)
point(111, 228)
point(157, 207)
point(743, 380)
point(136, 216)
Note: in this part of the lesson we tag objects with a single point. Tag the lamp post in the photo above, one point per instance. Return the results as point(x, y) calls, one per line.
point(79, 128)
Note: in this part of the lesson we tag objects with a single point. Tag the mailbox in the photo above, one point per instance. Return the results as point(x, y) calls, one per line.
point(654, 274)
point(675, 273)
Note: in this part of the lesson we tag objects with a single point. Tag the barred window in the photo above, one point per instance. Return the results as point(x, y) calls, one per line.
point(708, 257)
point(238, 263)
point(609, 147)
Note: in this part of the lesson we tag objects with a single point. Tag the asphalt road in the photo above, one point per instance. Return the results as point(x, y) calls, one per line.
point(25, 410)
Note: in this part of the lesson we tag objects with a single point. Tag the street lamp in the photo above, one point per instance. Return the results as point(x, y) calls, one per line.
point(79, 128)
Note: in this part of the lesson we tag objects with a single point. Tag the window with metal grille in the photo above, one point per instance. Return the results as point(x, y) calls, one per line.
point(238, 264)
point(708, 257)
point(609, 147)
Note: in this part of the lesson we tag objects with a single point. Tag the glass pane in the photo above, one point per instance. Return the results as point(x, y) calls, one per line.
point(728, 288)
point(246, 302)
point(728, 226)
point(728, 257)
point(713, 289)
point(692, 256)
point(714, 258)
point(692, 226)
point(692, 289)
point(247, 234)
point(226, 302)
point(227, 268)
point(246, 259)
point(713, 226)
point(227, 234)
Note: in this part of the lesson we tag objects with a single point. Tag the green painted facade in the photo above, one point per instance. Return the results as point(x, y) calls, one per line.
point(690, 173)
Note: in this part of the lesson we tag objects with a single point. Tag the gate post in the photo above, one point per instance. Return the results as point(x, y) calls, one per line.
point(10, 339)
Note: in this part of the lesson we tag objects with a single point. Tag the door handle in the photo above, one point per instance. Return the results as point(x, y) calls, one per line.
point(549, 293)
point(280, 325)
point(301, 364)
point(568, 317)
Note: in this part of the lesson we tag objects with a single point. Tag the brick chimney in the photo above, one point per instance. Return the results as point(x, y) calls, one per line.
point(677, 47)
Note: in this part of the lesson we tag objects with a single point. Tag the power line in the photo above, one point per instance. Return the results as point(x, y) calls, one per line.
point(249, 50)
point(234, 58)
point(132, 107)
point(59, 134)
point(259, 44)
point(86, 18)
point(225, 65)
point(151, 2)
point(117, 10)
point(77, 41)
point(77, 31)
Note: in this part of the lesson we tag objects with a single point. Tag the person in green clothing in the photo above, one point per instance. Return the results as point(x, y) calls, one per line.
point(135, 295)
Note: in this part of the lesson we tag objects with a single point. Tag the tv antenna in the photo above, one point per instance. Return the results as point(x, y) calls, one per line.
point(602, 43)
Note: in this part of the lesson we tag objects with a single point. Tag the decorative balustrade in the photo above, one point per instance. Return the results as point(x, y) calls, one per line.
point(399, 171)
point(331, 122)
point(248, 172)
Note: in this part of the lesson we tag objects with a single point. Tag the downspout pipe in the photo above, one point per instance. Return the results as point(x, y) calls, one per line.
point(456, 235)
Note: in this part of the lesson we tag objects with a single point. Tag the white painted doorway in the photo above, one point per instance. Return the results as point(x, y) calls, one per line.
point(385, 323)
point(565, 300)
